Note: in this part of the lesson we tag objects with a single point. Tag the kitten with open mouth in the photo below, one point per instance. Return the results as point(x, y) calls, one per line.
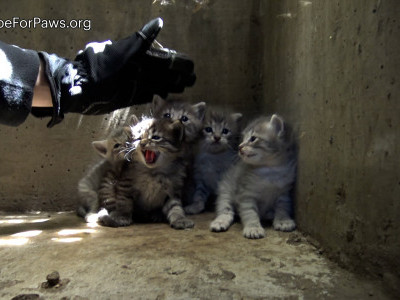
point(150, 156)
point(157, 177)
point(161, 144)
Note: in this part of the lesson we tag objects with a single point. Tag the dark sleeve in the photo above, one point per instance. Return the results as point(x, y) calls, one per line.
point(18, 73)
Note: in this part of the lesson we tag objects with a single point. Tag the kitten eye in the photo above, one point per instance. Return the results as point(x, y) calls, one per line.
point(252, 139)
point(167, 115)
point(117, 146)
point(208, 129)
point(184, 119)
point(225, 131)
point(155, 137)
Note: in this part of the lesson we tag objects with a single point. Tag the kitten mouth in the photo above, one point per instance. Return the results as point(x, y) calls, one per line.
point(150, 156)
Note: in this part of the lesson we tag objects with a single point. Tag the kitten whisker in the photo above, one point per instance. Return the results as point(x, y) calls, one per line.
point(129, 151)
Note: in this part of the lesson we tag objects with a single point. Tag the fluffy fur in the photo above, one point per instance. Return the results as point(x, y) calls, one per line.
point(217, 152)
point(191, 116)
point(258, 186)
point(159, 171)
point(112, 152)
point(115, 191)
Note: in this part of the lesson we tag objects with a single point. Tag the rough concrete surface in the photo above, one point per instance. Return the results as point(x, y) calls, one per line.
point(154, 261)
point(335, 77)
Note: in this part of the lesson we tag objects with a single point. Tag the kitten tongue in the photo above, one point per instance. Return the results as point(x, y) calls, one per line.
point(150, 156)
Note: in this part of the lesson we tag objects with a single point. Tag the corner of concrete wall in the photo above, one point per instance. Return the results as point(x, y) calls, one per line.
point(331, 68)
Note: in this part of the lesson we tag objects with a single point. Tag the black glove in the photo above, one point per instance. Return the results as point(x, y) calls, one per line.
point(112, 75)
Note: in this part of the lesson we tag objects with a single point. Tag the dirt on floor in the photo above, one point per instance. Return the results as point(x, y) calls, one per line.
point(58, 256)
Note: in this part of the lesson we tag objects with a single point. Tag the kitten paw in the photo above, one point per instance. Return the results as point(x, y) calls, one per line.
point(254, 232)
point(219, 225)
point(92, 218)
point(195, 208)
point(182, 223)
point(109, 221)
point(284, 225)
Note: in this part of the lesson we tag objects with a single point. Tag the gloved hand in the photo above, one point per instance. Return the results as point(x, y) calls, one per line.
point(111, 75)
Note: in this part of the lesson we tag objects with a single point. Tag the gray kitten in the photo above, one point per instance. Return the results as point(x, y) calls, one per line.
point(258, 186)
point(159, 170)
point(190, 115)
point(217, 152)
point(112, 152)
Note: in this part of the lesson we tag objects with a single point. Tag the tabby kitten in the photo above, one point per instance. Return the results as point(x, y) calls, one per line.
point(217, 152)
point(159, 171)
point(115, 191)
point(191, 116)
point(258, 186)
point(112, 152)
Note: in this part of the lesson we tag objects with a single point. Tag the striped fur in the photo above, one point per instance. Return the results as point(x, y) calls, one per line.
point(217, 152)
point(157, 178)
point(116, 191)
point(112, 152)
point(258, 186)
point(191, 116)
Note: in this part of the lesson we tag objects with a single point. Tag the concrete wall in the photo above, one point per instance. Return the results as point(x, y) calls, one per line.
point(329, 67)
point(40, 167)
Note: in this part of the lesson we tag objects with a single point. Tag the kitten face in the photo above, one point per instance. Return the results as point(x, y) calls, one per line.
point(113, 148)
point(191, 116)
point(220, 131)
point(161, 143)
point(135, 131)
point(264, 142)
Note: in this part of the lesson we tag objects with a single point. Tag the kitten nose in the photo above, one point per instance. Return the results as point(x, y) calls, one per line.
point(217, 138)
point(241, 149)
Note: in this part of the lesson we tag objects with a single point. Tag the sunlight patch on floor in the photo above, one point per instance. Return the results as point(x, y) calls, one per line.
point(67, 240)
point(13, 241)
point(30, 233)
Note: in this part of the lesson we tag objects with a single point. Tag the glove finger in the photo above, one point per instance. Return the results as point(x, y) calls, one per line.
point(150, 31)
point(103, 60)
point(168, 59)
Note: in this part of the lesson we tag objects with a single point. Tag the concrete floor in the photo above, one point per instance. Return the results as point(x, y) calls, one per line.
point(153, 261)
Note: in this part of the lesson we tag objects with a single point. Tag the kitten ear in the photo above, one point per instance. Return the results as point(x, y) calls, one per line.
point(157, 102)
point(133, 120)
point(236, 117)
point(200, 109)
point(100, 147)
point(178, 130)
point(277, 125)
point(128, 131)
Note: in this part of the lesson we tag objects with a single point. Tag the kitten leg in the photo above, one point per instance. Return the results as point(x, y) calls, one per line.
point(225, 214)
point(175, 214)
point(249, 216)
point(113, 220)
point(120, 216)
point(199, 200)
point(282, 220)
point(89, 204)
